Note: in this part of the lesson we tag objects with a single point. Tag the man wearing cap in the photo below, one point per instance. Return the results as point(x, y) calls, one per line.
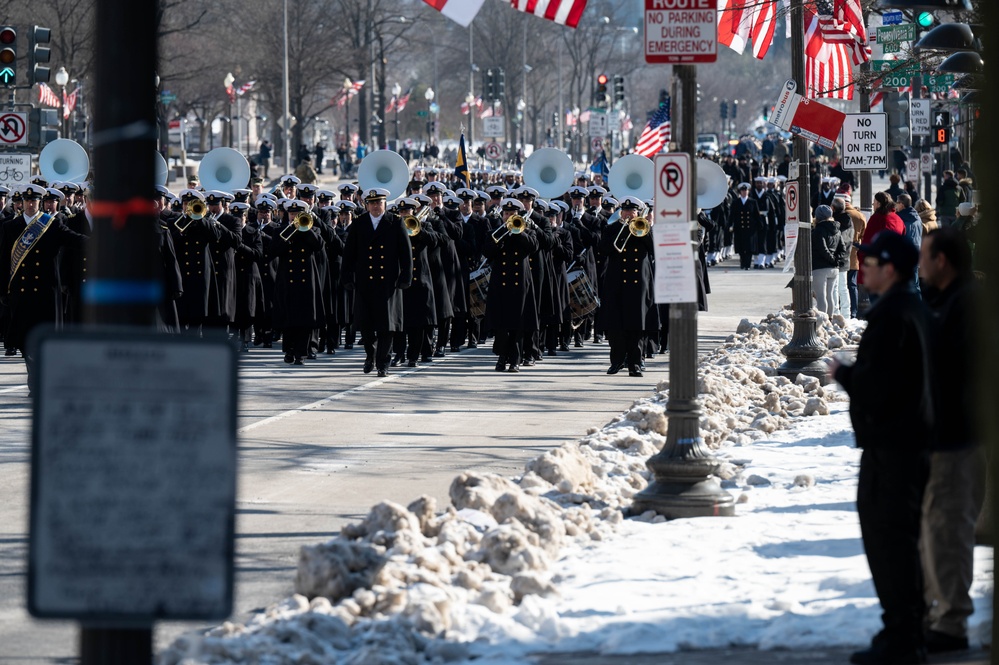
point(585, 229)
point(419, 310)
point(744, 217)
point(249, 287)
point(558, 327)
point(892, 410)
point(469, 245)
point(542, 271)
point(377, 265)
point(173, 281)
point(192, 238)
point(444, 267)
point(298, 303)
point(762, 198)
point(30, 245)
point(627, 303)
point(223, 255)
point(511, 308)
point(289, 185)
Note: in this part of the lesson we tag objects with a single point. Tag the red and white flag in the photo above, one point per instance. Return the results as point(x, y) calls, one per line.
point(832, 48)
point(460, 11)
point(735, 21)
point(657, 132)
point(566, 12)
point(68, 103)
point(343, 95)
point(477, 105)
point(47, 97)
point(402, 101)
point(245, 88)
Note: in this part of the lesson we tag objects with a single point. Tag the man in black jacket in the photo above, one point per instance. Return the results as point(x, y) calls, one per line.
point(891, 408)
point(955, 490)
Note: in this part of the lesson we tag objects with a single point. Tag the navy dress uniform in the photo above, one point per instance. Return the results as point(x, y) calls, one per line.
point(192, 238)
point(627, 298)
point(744, 216)
point(511, 308)
point(223, 255)
point(475, 228)
point(30, 246)
point(298, 301)
point(419, 309)
point(249, 285)
point(378, 265)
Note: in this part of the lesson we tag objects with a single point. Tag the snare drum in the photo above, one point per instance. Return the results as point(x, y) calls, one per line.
point(478, 286)
point(583, 299)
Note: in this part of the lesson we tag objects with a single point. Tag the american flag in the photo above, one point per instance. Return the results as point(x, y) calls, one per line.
point(566, 12)
point(245, 88)
point(656, 133)
point(490, 110)
point(69, 102)
point(477, 105)
point(47, 97)
point(402, 101)
point(833, 47)
point(341, 97)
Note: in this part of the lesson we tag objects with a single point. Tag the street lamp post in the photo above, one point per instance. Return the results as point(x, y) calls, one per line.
point(61, 79)
point(396, 91)
point(429, 96)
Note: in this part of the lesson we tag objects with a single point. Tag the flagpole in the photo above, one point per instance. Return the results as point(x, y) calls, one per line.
point(803, 352)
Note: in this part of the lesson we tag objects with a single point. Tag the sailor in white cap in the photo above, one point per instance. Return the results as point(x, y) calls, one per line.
point(744, 217)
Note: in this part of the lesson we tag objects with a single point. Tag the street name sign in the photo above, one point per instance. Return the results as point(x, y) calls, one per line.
point(865, 142)
point(681, 31)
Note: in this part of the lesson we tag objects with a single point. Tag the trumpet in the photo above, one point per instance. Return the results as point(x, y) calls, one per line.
point(414, 223)
point(193, 211)
point(514, 224)
point(636, 226)
point(303, 222)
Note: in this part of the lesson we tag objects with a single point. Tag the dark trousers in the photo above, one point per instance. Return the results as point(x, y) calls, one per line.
point(295, 341)
point(626, 347)
point(745, 260)
point(377, 346)
point(508, 345)
point(443, 332)
point(889, 504)
point(851, 287)
point(531, 345)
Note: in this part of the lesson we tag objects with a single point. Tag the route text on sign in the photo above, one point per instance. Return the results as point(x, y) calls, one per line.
point(681, 31)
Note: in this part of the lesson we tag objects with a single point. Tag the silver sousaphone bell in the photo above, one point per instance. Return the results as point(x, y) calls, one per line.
point(385, 169)
point(549, 171)
point(632, 175)
point(224, 169)
point(64, 160)
point(712, 184)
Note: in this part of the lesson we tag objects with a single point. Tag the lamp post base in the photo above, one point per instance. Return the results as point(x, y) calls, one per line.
point(678, 500)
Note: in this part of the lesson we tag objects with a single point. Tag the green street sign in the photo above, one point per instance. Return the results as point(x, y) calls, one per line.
point(7, 76)
point(896, 72)
point(421, 114)
point(167, 97)
point(940, 82)
point(903, 32)
point(891, 47)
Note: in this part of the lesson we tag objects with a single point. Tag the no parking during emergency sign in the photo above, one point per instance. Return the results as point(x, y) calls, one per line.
point(681, 31)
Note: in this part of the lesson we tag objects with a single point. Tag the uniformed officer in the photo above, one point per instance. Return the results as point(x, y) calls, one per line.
point(628, 302)
point(378, 265)
point(173, 281)
point(298, 303)
point(193, 234)
point(443, 265)
point(419, 310)
point(224, 256)
point(744, 217)
point(269, 226)
point(30, 245)
point(511, 308)
point(249, 287)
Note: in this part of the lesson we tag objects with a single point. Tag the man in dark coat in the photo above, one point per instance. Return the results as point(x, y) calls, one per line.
point(298, 301)
point(249, 286)
point(558, 328)
point(441, 268)
point(30, 245)
point(627, 295)
point(475, 229)
point(224, 256)
point(378, 265)
point(585, 229)
point(192, 237)
point(541, 270)
point(419, 310)
point(511, 308)
point(891, 406)
point(744, 218)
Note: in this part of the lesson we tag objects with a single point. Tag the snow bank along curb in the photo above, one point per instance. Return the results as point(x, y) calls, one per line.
point(388, 590)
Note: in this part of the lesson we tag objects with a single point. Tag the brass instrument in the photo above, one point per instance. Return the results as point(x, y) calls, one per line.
point(514, 224)
point(193, 211)
point(302, 221)
point(636, 226)
point(414, 223)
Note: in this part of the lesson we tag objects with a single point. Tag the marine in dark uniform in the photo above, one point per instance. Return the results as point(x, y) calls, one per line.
point(378, 265)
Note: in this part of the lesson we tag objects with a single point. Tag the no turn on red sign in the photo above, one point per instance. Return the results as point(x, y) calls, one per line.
point(681, 31)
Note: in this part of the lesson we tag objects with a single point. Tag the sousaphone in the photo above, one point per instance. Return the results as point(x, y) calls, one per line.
point(64, 160)
point(712, 184)
point(632, 175)
point(224, 169)
point(549, 171)
point(162, 170)
point(385, 169)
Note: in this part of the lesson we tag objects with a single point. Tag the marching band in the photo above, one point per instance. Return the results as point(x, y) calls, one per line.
point(537, 260)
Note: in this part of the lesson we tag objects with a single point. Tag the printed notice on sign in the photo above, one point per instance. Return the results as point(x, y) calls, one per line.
point(675, 280)
point(133, 487)
point(681, 31)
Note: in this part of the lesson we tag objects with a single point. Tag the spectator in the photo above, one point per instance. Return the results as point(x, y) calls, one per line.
point(343, 154)
point(910, 189)
point(265, 156)
point(844, 222)
point(927, 216)
point(956, 485)
point(894, 189)
point(859, 227)
point(320, 152)
point(891, 407)
point(949, 196)
point(913, 229)
point(884, 218)
point(305, 172)
point(827, 250)
point(303, 153)
point(966, 184)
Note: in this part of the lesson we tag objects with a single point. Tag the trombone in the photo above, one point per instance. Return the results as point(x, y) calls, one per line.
point(194, 210)
point(636, 226)
point(514, 224)
point(303, 222)
point(414, 223)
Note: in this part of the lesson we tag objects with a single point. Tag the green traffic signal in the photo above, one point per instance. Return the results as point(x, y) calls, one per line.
point(925, 19)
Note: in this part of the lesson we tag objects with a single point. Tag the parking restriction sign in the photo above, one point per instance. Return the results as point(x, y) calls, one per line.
point(681, 31)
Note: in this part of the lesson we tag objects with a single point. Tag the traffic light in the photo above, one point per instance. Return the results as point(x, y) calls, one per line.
point(488, 89)
point(941, 127)
point(897, 108)
point(602, 98)
point(8, 55)
point(724, 110)
point(766, 112)
point(735, 109)
point(38, 52)
point(42, 126)
point(499, 84)
point(618, 89)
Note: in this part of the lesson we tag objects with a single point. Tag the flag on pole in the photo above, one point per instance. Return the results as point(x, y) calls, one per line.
point(68, 103)
point(565, 12)
point(460, 11)
point(656, 133)
point(460, 163)
point(600, 165)
point(245, 88)
point(47, 97)
point(832, 48)
point(402, 101)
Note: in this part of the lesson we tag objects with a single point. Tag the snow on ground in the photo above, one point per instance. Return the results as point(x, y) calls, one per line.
point(547, 561)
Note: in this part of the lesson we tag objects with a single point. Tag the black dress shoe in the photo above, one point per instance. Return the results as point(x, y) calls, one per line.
point(564, 347)
point(312, 355)
point(369, 364)
point(514, 368)
point(299, 361)
point(455, 349)
point(615, 368)
point(289, 358)
point(634, 372)
point(884, 652)
point(552, 352)
point(411, 363)
point(528, 363)
point(439, 353)
point(473, 345)
point(578, 344)
point(500, 366)
point(348, 346)
point(268, 345)
point(396, 360)
point(383, 372)
point(937, 642)
point(426, 359)
point(331, 351)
